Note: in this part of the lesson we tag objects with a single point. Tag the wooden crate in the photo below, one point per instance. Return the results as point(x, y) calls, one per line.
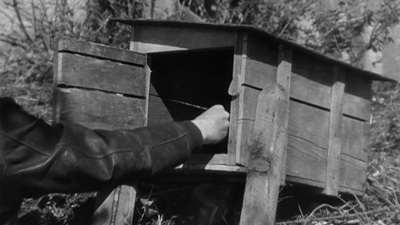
point(195, 65)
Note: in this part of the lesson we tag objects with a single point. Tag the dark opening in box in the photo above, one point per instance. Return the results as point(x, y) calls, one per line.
point(186, 83)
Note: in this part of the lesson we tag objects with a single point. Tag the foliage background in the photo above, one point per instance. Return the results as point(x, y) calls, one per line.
point(347, 32)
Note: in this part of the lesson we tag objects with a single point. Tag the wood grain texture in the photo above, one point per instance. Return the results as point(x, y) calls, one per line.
point(311, 82)
point(100, 51)
point(268, 146)
point(312, 124)
point(284, 75)
point(92, 73)
point(307, 163)
point(99, 110)
point(115, 207)
point(147, 39)
point(208, 159)
point(234, 90)
point(335, 137)
point(158, 112)
point(308, 143)
point(357, 97)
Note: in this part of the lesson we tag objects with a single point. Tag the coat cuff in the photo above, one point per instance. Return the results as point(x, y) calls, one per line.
point(194, 134)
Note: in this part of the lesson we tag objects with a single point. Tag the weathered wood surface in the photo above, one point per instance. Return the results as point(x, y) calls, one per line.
point(98, 109)
point(335, 137)
point(267, 147)
point(283, 79)
point(312, 124)
point(306, 164)
point(308, 143)
point(101, 51)
point(115, 206)
point(93, 73)
point(311, 81)
point(161, 39)
point(235, 90)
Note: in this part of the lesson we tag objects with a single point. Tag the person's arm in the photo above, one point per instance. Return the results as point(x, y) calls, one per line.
point(36, 158)
point(72, 158)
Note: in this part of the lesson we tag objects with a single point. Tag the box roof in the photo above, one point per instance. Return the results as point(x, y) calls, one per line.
point(257, 31)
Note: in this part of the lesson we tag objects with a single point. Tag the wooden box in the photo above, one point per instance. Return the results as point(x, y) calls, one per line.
point(174, 71)
point(329, 108)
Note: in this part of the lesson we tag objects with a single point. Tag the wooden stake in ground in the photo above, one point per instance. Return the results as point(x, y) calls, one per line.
point(267, 146)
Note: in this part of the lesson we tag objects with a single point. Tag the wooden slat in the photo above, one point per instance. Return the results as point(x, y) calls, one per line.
point(268, 146)
point(100, 51)
point(98, 109)
point(208, 159)
point(239, 65)
point(116, 206)
point(284, 74)
point(148, 39)
point(335, 137)
point(357, 97)
point(158, 112)
point(262, 62)
point(355, 144)
point(210, 168)
point(93, 73)
point(307, 163)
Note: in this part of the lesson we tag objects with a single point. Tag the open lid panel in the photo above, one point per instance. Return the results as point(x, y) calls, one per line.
point(99, 86)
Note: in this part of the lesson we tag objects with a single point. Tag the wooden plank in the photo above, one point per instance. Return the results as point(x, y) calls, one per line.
point(355, 144)
point(357, 96)
point(147, 39)
point(115, 206)
point(158, 112)
point(284, 74)
point(307, 163)
point(208, 159)
point(101, 51)
point(209, 168)
point(334, 145)
point(265, 163)
point(262, 62)
point(92, 73)
point(99, 109)
point(239, 65)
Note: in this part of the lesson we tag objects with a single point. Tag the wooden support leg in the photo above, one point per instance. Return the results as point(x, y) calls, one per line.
point(268, 147)
point(115, 206)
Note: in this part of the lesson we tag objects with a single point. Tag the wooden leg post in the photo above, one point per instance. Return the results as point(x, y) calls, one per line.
point(115, 206)
point(268, 147)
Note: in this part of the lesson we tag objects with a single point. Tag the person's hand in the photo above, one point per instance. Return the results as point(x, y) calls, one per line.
point(213, 124)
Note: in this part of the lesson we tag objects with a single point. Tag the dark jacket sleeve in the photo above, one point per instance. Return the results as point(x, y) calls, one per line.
point(38, 158)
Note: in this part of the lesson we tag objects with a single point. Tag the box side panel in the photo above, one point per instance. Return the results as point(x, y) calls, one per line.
point(311, 81)
point(308, 143)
